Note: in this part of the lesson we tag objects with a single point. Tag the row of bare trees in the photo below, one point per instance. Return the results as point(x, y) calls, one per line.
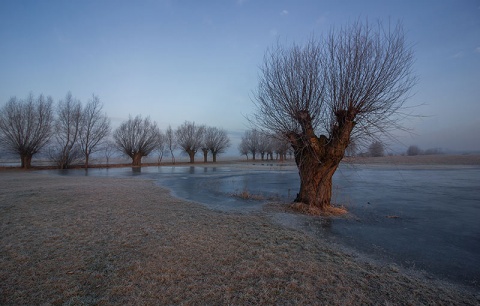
point(191, 137)
point(78, 131)
point(71, 132)
point(255, 142)
point(138, 137)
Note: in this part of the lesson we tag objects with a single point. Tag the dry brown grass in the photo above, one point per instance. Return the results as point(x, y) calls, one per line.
point(246, 195)
point(331, 211)
point(103, 241)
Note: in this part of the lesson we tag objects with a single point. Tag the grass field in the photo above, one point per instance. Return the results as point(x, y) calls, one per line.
point(104, 241)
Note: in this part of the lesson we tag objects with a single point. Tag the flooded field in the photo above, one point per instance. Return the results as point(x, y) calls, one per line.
point(422, 217)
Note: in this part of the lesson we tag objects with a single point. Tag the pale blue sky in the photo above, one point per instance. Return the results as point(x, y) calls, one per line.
point(198, 60)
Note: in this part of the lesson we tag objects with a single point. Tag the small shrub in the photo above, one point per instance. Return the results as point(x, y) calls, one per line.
point(245, 195)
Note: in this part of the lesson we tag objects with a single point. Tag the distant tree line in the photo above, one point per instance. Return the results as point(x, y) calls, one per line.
point(375, 149)
point(414, 150)
point(264, 145)
point(69, 133)
point(256, 143)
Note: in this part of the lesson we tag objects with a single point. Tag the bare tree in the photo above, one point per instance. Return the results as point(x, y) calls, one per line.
point(170, 142)
point(95, 127)
point(216, 141)
point(137, 138)
point(353, 82)
point(270, 149)
point(66, 148)
point(264, 144)
point(376, 149)
point(108, 150)
point(280, 147)
point(243, 147)
point(161, 146)
point(413, 150)
point(251, 138)
point(25, 126)
point(204, 150)
point(189, 138)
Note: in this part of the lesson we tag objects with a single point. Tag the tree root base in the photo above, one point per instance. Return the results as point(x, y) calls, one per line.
point(330, 211)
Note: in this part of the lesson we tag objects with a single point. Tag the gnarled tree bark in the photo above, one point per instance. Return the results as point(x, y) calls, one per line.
point(137, 159)
point(317, 158)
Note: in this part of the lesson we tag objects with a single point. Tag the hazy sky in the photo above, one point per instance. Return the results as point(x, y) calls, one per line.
point(198, 60)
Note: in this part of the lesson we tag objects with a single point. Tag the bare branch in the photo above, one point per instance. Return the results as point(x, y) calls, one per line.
point(353, 83)
point(66, 149)
point(216, 141)
point(190, 137)
point(171, 142)
point(26, 126)
point(137, 138)
point(95, 127)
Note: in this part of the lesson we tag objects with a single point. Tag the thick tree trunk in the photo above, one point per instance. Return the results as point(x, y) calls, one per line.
point(214, 157)
point(86, 160)
point(63, 163)
point(317, 158)
point(137, 160)
point(26, 161)
point(316, 183)
point(205, 155)
point(191, 154)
